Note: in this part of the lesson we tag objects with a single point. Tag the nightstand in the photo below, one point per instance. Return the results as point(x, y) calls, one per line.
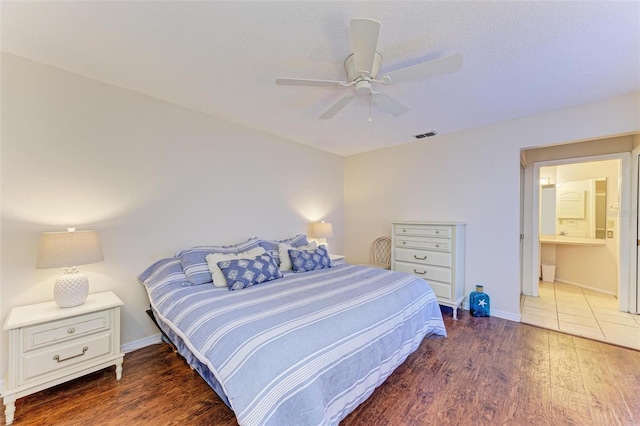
point(336, 259)
point(49, 345)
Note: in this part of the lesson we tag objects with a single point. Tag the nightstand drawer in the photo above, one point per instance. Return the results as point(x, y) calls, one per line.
point(424, 231)
point(64, 355)
point(61, 330)
point(424, 257)
point(426, 272)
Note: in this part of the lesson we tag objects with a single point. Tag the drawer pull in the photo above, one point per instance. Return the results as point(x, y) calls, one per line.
point(420, 273)
point(419, 258)
point(437, 232)
point(404, 230)
point(404, 242)
point(57, 357)
point(71, 330)
point(437, 245)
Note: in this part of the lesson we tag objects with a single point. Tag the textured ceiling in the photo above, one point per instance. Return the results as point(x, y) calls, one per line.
point(222, 58)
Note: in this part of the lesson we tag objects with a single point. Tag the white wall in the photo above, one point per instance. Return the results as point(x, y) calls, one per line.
point(472, 177)
point(149, 176)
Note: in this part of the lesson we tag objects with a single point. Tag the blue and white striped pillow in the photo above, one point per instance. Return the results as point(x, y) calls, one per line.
point(194, 260)
point(272, 246)
point(164, 271)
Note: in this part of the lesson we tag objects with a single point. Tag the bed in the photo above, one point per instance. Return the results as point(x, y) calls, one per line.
point(303, 349)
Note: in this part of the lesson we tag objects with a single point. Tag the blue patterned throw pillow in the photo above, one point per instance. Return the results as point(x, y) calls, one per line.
point(310, 260)
point(243, 273)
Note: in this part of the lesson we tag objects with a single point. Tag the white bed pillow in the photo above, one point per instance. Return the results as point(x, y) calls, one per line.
point(216, 273)
point(285, 260)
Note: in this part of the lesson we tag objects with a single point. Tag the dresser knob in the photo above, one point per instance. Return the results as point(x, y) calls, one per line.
point(71, 330)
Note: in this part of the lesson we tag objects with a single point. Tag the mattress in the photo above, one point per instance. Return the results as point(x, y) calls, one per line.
point(305, 349)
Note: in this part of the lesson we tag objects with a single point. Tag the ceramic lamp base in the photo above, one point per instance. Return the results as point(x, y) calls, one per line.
point(71, 290)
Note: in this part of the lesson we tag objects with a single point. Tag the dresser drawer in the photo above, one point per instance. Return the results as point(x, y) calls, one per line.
point(427, 272)
point(424, 231)
point(59, 331)
point(424, 243)
point(424, 257)
point(442, 291)
point(62, 355)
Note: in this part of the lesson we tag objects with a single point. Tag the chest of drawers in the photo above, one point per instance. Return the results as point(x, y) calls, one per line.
point(49, 345)
point(433, 251)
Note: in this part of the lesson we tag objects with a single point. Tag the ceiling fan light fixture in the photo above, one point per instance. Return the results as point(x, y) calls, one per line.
point(363, 87)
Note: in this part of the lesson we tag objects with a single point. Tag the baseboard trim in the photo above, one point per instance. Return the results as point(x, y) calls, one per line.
point(505, 315)
point(497, 313)
point(597, 290)
point(141, 343)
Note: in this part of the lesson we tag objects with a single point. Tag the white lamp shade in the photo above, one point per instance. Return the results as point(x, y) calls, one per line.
point(322, 230)
point(67, 249)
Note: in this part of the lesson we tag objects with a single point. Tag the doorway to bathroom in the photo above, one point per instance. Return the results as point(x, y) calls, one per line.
point(589, 295)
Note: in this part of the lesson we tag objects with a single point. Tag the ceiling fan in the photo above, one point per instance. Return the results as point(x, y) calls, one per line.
point(362, 68)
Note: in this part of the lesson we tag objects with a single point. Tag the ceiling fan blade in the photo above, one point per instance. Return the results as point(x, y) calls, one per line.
point(426, 69)
point(388, 104)
point(364, 41)
point(310, 82)
point(336, 107)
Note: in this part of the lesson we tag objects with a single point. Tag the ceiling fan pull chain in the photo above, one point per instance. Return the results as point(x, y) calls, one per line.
point(370, 120)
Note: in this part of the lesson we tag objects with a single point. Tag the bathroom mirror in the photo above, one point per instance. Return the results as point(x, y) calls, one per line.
point(574, 209)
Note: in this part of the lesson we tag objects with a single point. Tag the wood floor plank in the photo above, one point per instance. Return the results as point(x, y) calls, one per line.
point(531, 402)
point(613, 386)
point(570, 408)
point(564, 366)
point(487, 371)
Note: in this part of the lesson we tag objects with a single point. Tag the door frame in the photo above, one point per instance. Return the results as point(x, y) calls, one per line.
point(634, 290)
point(626, 287)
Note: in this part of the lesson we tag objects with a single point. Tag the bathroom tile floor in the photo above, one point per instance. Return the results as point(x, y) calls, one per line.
point(581, 312)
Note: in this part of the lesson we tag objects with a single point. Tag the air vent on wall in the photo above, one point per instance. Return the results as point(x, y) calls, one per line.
point(426, 135)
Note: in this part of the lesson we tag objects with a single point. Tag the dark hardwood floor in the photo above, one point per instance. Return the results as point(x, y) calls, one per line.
point(487, 371)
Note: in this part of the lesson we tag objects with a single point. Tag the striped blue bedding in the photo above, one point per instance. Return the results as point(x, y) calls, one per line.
point(305, 349)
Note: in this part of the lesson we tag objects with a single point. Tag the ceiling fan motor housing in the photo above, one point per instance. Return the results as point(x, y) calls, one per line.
point(353, 73)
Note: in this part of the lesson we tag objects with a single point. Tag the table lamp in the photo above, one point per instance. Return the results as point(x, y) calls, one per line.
point(322, 231)
point(69, 250)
